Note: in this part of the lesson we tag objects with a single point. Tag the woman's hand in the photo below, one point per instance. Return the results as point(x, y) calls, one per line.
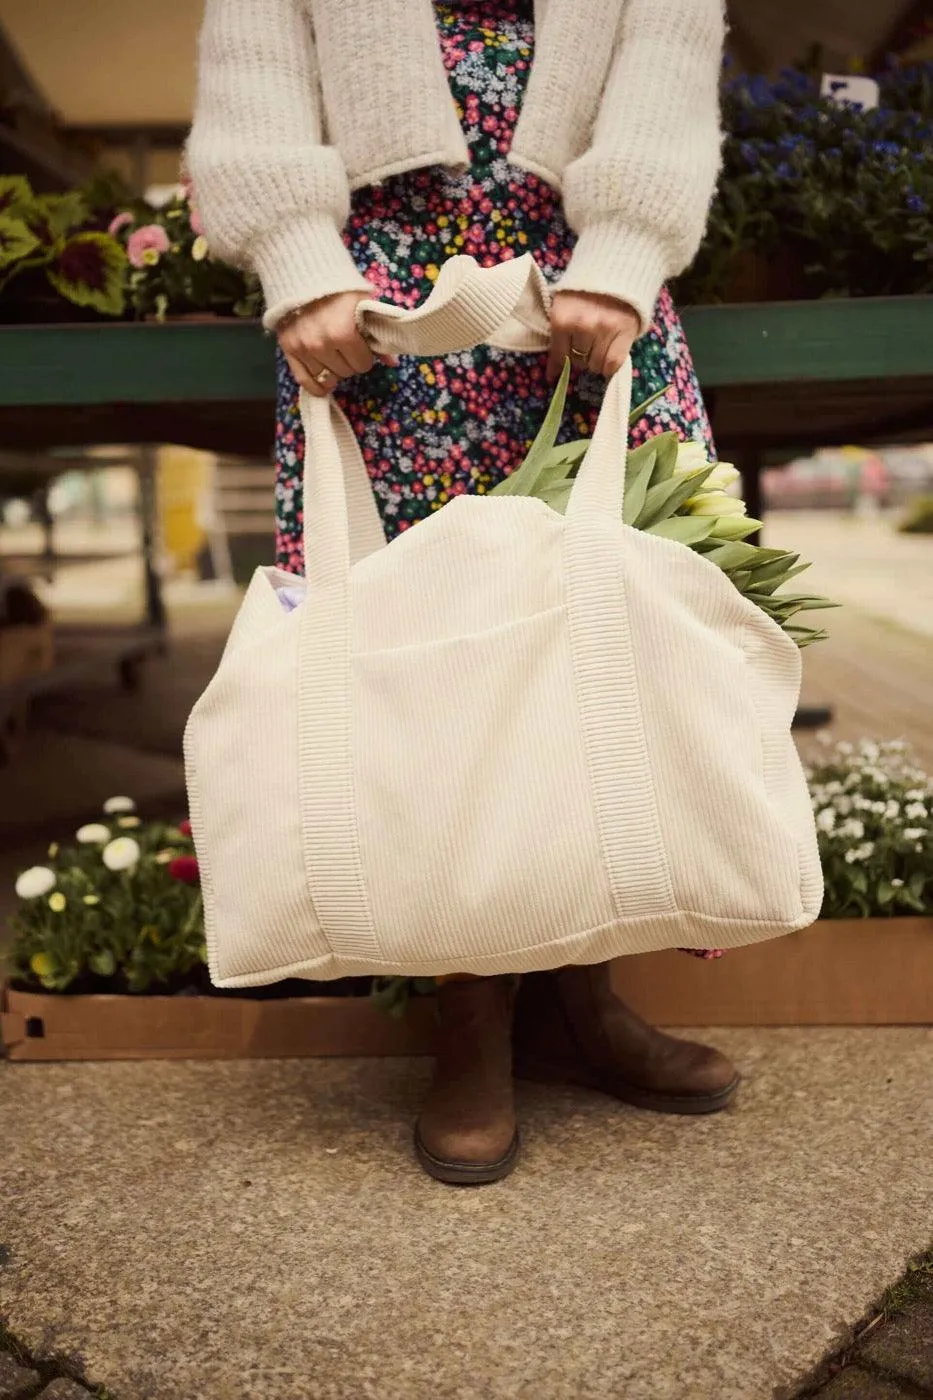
point(322, 344)
point(602, 328)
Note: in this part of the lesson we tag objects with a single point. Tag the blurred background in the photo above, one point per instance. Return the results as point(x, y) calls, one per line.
point(130, 518)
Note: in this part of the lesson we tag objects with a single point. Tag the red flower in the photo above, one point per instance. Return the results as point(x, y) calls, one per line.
point(185, 827)
point(185, 869)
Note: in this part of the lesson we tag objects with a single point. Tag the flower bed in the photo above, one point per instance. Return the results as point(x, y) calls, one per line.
point(108, 957)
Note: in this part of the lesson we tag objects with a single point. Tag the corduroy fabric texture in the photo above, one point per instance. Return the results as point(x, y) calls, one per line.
point(300, 101)
point(614, 771)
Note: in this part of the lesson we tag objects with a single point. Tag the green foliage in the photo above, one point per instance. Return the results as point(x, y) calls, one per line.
point(919, 517)
point(56, 234)
point(671, 490)
point(135, 930)
point(89, 270)
point(830, 200)
point(393, 994)
point(873, 809)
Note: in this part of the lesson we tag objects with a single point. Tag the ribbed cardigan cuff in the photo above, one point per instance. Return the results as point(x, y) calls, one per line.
point(302, 261)
point(617, 260)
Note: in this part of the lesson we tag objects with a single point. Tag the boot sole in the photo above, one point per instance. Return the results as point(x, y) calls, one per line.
point(538, 1072)
point(467, 1173)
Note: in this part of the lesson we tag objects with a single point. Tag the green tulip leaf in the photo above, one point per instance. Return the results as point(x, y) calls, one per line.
point(667, 497)
point(687, 529)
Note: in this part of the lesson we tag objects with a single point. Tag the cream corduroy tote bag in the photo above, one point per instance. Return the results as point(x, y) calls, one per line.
point(506, 741)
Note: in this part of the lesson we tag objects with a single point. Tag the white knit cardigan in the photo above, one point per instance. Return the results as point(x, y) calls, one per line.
point(301, 101)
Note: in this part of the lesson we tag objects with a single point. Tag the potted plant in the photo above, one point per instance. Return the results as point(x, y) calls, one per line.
point(171, 272)
point(869, 958)
point(817, 199)
point(108, 961)
point(56, 261)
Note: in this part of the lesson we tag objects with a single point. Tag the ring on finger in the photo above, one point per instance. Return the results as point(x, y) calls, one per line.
point(324, 377)
point(579, 354)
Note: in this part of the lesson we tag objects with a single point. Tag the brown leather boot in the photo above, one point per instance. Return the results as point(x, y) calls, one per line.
point(466, 1134)
point(571, 1028)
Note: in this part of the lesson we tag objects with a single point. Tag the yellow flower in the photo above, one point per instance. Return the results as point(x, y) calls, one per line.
point(432, 272)
point(164, 857)
point(57, 902)
point(149, 257)
point(128, 822)
point(442, 221)
point(92, 899)
point(42, 964)
point(199, 248)
point(53, 850)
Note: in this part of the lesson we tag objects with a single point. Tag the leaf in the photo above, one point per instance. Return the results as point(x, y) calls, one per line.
point(666, 461)
point(15, 194)
point(557, 497)
point(638, 468)
point(666, 497)
point(88, 270)
point(774, 568)
point(103, 963)
point(17, 241)
point(884, 893)
point(61, 213)
point(642, 408)
point(523, 480)
point(687, 529)
point(732, 555)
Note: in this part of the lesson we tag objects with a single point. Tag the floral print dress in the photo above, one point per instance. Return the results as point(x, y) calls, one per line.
point(432, 429)
point(436, 428)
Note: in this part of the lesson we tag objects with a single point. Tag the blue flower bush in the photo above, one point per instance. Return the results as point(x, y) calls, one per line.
point(841, 195)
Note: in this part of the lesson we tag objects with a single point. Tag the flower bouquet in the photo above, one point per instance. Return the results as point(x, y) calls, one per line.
point(672, 490)
point(120, 910)
point(873, 805)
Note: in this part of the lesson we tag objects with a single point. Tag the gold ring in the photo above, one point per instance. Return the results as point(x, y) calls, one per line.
point(323, 377)
point(579, 354)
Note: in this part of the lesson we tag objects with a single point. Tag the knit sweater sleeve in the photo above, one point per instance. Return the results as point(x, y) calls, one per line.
point(639, 196)
point(271, 194)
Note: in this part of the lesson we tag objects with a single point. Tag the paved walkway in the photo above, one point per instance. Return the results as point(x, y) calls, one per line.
point(203, 1231)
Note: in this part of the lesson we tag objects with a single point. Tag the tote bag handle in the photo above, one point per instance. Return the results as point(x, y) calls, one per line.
point(507, 306)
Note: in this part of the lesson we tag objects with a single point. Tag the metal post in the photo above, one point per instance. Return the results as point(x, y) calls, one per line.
point(148, 521)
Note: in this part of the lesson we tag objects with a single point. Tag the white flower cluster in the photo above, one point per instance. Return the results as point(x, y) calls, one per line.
point(118, 853)
point(875, 786)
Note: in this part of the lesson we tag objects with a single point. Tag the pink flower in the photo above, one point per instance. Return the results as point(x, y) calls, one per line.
point(195, 219)
point(185, 827)
point(119, 222)
point(146, 245)
point(185, 869)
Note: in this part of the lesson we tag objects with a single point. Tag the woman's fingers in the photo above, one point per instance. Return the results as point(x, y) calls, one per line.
point(601, 326)
point(617, 353)
point(324, 337)
point(307, 378)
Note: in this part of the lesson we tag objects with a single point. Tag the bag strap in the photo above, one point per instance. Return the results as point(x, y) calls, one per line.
point(507, 306)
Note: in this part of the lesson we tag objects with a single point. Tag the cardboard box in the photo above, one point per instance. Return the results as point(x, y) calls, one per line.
point(25, 650)
point(47, 1026)
point(845, 972)
point(860, 972)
